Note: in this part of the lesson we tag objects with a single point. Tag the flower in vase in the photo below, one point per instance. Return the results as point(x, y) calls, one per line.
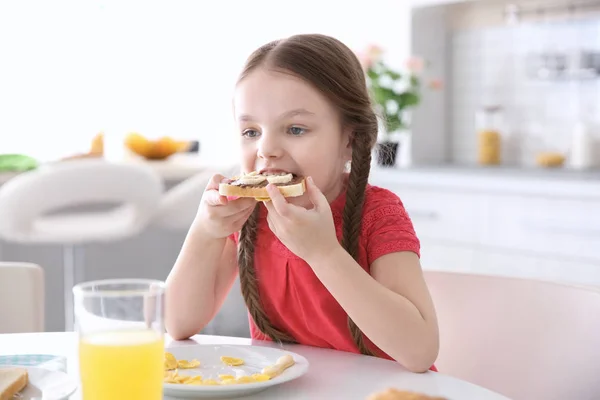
point(415, 64)
point(393, 91)
point(436, 84)
point(370, 55)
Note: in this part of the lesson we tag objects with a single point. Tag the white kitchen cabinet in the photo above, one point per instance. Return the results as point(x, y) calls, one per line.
point(446, 257)
point(545, 226)
point(535, 266)
point(507, 263)
point(527, 230)
point(444, 215)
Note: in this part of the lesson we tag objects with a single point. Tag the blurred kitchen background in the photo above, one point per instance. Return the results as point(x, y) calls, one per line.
point(498, 162)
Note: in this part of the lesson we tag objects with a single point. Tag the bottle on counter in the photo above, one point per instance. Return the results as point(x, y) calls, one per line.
point(489, 123)
point(582, 147)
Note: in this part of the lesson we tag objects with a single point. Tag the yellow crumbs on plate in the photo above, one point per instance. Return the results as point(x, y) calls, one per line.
point(170, 361)
point(231, 361)
point(173, 365)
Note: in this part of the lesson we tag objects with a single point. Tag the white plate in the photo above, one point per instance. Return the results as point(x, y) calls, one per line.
point(45, 384)
point(255, 359)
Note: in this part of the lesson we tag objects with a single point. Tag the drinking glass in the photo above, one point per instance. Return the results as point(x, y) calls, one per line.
point(121, 338)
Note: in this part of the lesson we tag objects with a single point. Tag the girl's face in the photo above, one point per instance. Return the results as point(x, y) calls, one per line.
point(287, 125)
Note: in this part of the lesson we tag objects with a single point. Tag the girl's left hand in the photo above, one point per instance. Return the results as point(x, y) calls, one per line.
point(310, 234)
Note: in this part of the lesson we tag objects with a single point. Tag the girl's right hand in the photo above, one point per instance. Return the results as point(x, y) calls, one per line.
point(219, 217)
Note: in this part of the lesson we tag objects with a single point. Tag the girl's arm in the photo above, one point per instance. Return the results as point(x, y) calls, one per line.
point(198, 283)
point(392, 307)
point(404, 323)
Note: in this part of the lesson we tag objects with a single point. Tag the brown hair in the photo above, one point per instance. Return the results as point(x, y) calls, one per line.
point(331, 67)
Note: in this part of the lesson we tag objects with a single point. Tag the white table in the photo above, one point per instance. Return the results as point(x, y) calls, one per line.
point(332, 374)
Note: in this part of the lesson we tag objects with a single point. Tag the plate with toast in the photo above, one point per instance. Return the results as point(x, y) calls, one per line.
point(254, 184)
point(34, 383)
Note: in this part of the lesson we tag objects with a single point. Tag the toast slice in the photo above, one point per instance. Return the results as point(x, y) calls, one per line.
point(255, 184)
point(12, 381)
point(395, 394)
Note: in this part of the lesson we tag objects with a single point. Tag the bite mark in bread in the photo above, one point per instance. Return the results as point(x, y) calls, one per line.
point(254, 184)
point(12, 381)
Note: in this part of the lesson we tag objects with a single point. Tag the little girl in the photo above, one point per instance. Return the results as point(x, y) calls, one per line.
point(337, 267)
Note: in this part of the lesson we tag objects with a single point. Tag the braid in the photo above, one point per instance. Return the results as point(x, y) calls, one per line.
point(248, 283)
point(352, 218)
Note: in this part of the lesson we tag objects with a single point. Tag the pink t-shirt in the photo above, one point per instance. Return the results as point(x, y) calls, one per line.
point(294, 298)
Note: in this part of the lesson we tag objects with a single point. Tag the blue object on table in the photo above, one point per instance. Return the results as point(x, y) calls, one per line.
point(46, 361)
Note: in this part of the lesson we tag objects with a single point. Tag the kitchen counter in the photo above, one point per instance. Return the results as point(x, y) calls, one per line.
point(174, 169)
point(515, 172)
point(527, 181)
point(562, 182)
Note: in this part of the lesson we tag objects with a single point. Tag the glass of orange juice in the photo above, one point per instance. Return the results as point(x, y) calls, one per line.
point(121, 338)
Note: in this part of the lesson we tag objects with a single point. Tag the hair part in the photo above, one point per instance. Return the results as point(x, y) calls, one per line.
point(333, 69)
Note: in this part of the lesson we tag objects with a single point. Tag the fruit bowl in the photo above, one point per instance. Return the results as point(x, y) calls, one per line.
point(154, 149)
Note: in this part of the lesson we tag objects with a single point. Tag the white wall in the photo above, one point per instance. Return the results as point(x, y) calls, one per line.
point(485, 60)
point(70, 69)
point(490, 62)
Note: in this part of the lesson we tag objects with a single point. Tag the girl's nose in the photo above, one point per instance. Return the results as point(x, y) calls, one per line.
point(269, 146)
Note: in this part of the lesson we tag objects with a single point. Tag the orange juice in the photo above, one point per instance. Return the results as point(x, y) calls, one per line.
point(122, 365)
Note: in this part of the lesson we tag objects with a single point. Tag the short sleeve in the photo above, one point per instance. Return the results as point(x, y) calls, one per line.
point(387, 226)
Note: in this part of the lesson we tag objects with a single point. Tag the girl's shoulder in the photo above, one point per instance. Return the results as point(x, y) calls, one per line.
point(377, 195)
point(383, 201)
point(386, 225)
point(379, 203)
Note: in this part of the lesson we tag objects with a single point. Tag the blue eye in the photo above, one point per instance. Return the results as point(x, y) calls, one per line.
point(297, 131)
point(251, 133)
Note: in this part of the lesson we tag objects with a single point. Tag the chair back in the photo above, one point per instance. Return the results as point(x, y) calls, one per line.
point(30, 203)
point(179, 205)
point(523, 338)
point(21, 297)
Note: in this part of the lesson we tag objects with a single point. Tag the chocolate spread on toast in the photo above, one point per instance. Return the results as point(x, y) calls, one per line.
point(295, 179)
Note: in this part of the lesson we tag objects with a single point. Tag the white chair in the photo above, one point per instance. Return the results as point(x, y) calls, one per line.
point(48, 205)
point(523, 338)
point(179, 205)
point(21, 297)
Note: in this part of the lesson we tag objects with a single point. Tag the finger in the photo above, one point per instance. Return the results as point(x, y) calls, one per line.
point(235, 221)
point(233, 209)
point(268, 205)
point(270, 208)
point(240, 218)
point(214, 181)
point(279, 203)
point(213, 197)
point(315, 195)
point(227, 213)
point(249, 212)
point(242, 203)
point(271, 223)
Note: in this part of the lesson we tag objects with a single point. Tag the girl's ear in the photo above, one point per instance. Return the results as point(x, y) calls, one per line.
point(348, 136)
